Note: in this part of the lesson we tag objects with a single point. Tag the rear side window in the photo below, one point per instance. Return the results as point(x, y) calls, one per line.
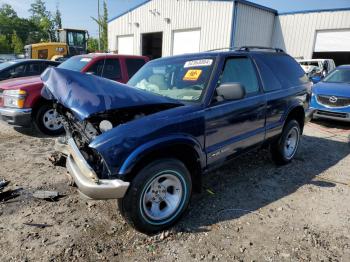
point(50, 64)
point(107, 68)
point(282, 68)
point(133, 65)
point(240, 70)
point(270, 81)
point(17, 71)
point(34, 69)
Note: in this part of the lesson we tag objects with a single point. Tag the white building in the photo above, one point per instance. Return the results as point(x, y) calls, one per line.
point(168, 27)
point(315, 34)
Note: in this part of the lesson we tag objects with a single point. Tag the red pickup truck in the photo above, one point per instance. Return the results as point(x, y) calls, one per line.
point(21, 103)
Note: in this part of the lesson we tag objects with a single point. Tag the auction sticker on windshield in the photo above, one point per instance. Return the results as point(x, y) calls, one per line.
point(201, 62)
point(192, 75)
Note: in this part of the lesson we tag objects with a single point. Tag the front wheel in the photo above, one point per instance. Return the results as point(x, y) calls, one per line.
point(48, 121)
point(158, 196)
point(285, 148)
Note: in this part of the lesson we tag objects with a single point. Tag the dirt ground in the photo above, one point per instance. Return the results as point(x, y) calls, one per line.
point(249, 210)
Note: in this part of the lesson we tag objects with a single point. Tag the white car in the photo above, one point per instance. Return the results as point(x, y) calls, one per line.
point(317, 66)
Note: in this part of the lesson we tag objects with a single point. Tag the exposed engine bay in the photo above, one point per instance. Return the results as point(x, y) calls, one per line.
point(84, 132)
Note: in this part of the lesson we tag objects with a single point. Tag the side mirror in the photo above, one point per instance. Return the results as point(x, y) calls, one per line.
point(231, 91)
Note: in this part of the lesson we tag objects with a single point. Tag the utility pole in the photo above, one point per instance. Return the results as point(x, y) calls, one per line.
point(99, 26)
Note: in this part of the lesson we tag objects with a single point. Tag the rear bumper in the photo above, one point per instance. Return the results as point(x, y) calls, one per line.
point(89, 185)
point(15, 116)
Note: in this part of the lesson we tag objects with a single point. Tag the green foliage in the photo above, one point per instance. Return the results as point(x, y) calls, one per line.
point(5, 46)
point(43, 19)
point(7, 11)
point(16, 31)
point(58, 19)
point(102, 22)
point(92, 45)
point(16, 43)
point(104, 35)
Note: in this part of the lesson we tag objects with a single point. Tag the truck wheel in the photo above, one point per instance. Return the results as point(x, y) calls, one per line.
point(48, 121)
point(285, 148)
point(157, 196)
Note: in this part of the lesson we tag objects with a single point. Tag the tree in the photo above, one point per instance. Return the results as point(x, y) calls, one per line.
point(102, 22)
point(58, 19)
point(38, 10)
point(7, 11)
point(92, 45)
point(16, 31)
point(16, 44)
point(7, 18)
point(104, 26)
point(4, 45)
point(43, 20)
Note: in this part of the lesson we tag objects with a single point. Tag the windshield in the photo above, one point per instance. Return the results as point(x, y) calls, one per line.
point(6, 64)
point(75, 63)
point(338, 76)
point(180, 78)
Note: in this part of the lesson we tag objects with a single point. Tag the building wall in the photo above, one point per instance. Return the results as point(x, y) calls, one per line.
point(214, 18)
point(253, 26)
point(296, 33)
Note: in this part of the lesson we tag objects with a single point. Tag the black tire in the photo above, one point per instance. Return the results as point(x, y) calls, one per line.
point(278, 148)
point(39, 121)
point(133, 206)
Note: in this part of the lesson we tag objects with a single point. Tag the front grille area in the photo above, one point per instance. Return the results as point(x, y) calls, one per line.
point(333, 101)
point(332, 114)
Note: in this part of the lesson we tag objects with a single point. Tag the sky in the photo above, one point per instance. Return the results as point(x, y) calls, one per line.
point(77, 13)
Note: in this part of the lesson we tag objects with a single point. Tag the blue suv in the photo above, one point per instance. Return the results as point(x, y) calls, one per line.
point(148, 143)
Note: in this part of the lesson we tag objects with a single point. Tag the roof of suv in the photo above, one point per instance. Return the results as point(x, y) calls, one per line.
point(216, 53)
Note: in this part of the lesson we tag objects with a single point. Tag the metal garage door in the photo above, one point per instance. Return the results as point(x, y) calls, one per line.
point(334, 44)
point(186, 41)
point(333, 41)
point(125, 45)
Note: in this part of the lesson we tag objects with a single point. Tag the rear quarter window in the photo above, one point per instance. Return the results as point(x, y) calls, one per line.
point(279, 71)
point(134, 65)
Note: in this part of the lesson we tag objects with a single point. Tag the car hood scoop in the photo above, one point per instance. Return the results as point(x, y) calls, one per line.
point(86, 95)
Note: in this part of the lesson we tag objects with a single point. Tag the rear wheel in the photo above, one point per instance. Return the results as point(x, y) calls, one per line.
point(158, 196)
point(285, 148)
point(48, 121)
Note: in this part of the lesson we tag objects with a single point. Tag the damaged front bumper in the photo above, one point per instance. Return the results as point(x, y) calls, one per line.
point(88, 183)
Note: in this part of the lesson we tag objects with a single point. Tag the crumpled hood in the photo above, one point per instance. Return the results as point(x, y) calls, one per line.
point(86, 94)
point(335, 89)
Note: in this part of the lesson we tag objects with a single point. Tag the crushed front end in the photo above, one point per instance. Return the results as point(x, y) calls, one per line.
point(86, 166)
point(91, 106)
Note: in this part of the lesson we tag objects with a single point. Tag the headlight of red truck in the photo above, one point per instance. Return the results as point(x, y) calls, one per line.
point(14, 98)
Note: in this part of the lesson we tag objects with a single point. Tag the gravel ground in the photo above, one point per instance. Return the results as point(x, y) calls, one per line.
point(249, 210)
